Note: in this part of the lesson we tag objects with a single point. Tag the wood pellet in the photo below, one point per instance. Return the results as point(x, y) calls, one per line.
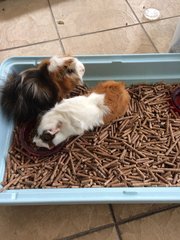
point(141, 149)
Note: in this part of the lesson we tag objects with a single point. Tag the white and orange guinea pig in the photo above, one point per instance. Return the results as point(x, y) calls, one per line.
point(34, 90)
point(106, 102)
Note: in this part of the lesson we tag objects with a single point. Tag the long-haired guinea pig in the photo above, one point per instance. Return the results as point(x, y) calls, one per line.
point(107, 101)
point(34, 90)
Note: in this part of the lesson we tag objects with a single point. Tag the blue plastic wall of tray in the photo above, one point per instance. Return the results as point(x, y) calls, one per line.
point(133, 69)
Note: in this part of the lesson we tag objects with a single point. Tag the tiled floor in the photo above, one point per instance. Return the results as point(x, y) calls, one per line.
point(48, 27)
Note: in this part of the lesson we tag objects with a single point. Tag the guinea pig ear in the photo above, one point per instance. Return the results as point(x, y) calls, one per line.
point(43, 66)
point(55, 130)
point(68, 62)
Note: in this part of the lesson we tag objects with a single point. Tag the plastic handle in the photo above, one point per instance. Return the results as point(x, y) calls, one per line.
point(130, 192)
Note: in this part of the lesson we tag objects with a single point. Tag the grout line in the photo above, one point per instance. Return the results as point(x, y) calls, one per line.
point(160, 19)
point(54, 21)
point(115, 222)
point(109, 29)
point(149, 21)
point(116, 28)
point(121, 222)
point(100, 31)
point(142, 27)
point(150, 38)
point(28, 45)
point(144, 215)
point(77, 235)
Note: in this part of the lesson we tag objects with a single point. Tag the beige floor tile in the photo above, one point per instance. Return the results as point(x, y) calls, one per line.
point(161, 32)
point(107, 234)
point(50, 222)
point(81, 16)
point(24, 22)
point(123, 211)
point(43, 49)
point(167, 8)
point(162, 226)
point(124, 40)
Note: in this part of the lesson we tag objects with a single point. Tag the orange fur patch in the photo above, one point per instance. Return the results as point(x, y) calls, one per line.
point(117, 98)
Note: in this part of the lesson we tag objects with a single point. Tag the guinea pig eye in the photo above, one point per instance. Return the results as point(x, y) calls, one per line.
point(70, 71)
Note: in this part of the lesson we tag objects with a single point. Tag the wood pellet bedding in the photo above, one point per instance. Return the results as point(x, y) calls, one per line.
point(140, 149)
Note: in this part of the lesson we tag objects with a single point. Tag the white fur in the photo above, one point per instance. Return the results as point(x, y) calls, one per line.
point(76, 115)
point(79, 68)
point(40, 143)
point(56, 61)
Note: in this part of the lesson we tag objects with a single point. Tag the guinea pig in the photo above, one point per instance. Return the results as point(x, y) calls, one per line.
point(73, 116)
point(34, 90)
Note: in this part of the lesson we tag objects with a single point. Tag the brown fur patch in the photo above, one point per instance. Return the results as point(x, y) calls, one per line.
point(64, 80)
point(117, 98)
point(44, 64)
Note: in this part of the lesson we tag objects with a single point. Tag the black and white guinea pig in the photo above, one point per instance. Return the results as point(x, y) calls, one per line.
point(37, 89)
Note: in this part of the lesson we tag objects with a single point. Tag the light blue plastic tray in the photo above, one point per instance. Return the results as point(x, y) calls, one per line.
point(144, 68)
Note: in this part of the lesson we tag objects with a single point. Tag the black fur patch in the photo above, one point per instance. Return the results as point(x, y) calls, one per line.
point(47, 138)
point(25, 96)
